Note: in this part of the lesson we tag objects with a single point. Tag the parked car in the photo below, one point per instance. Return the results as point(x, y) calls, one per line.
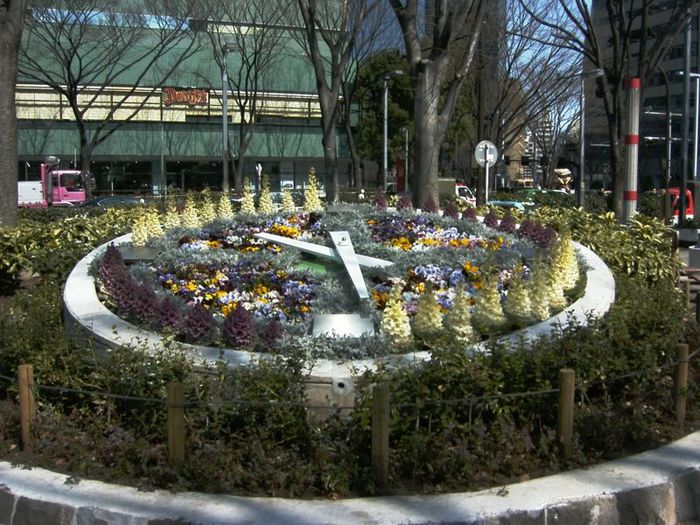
point(516, 205)
point(111, 201)
point(465, 194)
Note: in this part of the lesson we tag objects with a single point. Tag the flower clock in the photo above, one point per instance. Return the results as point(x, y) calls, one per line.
point(415, 280)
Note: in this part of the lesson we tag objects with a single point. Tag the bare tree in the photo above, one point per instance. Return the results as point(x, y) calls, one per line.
point(440, 49)
point(83, 49)
point(371, 40)
point(254, 33)
point(551, 133)
point(620, 44)
point(11, 24)
point(536, 80)
point(331, 30)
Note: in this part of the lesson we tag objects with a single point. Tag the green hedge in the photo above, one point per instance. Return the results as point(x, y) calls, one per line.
point(458, 422)
point(49, 242)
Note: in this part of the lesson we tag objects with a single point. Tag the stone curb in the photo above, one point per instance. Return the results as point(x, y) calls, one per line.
point(656, 487)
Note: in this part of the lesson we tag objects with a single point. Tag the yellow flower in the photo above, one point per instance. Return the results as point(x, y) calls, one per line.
point(470, 268)
point(228, 308)
point(401, 243)
point(380, 298)
point(459, 243)
point(191, 287)
point(285, 231)
point(430, 242)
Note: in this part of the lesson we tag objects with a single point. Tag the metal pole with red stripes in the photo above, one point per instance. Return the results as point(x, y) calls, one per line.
point(629, 197)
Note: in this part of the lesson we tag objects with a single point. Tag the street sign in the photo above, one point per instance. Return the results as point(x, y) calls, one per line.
point(486, 152)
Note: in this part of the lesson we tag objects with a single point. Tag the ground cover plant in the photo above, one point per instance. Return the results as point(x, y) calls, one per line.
point(458, 421)
point(213, 282)
point(49, 242)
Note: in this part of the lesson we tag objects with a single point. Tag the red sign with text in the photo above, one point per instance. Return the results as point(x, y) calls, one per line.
point(191, 97)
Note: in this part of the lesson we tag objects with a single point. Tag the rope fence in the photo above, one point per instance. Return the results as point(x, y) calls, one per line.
point(381, 407)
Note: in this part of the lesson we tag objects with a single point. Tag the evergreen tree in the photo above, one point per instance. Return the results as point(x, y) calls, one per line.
point(224, 210)
point(207, 211)
point(248, 202)
point(311, 201)
point(288, 205)
point(172, 217)
point(265, 203)
point(190, 216)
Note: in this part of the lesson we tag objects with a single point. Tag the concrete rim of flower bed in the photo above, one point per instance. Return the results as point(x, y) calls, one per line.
point(657, 486)
point(84, 311)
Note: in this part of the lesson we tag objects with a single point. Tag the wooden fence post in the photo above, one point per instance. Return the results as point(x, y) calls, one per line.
point(565, 428)
point(380, 436)
point(176, 424)
point(27, 404)
point(674, 242)
point(680, 384)
point(685, 286)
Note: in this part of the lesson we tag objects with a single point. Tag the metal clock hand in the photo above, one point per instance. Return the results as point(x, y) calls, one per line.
point(338, 324)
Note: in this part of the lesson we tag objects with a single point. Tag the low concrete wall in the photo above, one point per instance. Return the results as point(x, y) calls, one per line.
point(656, 487)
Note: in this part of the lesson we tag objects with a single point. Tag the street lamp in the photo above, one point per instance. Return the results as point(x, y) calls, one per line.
point(582, 138)
point(228, 46)
point(696, 77)
point(385, 161)
point(405, 162)
point(669, 137)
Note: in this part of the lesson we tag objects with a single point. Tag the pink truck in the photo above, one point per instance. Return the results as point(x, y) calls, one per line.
point(57, 187)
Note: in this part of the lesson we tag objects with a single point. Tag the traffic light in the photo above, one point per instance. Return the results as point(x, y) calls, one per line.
point(525, 160)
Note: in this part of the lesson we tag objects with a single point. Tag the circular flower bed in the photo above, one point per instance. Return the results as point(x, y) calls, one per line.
point(452, 281)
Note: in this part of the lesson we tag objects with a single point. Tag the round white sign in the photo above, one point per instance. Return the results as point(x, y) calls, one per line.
point(486, 151)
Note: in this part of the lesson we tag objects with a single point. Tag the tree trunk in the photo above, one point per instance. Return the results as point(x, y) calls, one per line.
point(428, 137)
point(355, 169)
point(238, 165)
point(11, 23)
point(244, 136)
point(331, 162)
point(617, 169)
point(8, 136)
point(86, 149)
point(330, 147)
point(617, 147)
